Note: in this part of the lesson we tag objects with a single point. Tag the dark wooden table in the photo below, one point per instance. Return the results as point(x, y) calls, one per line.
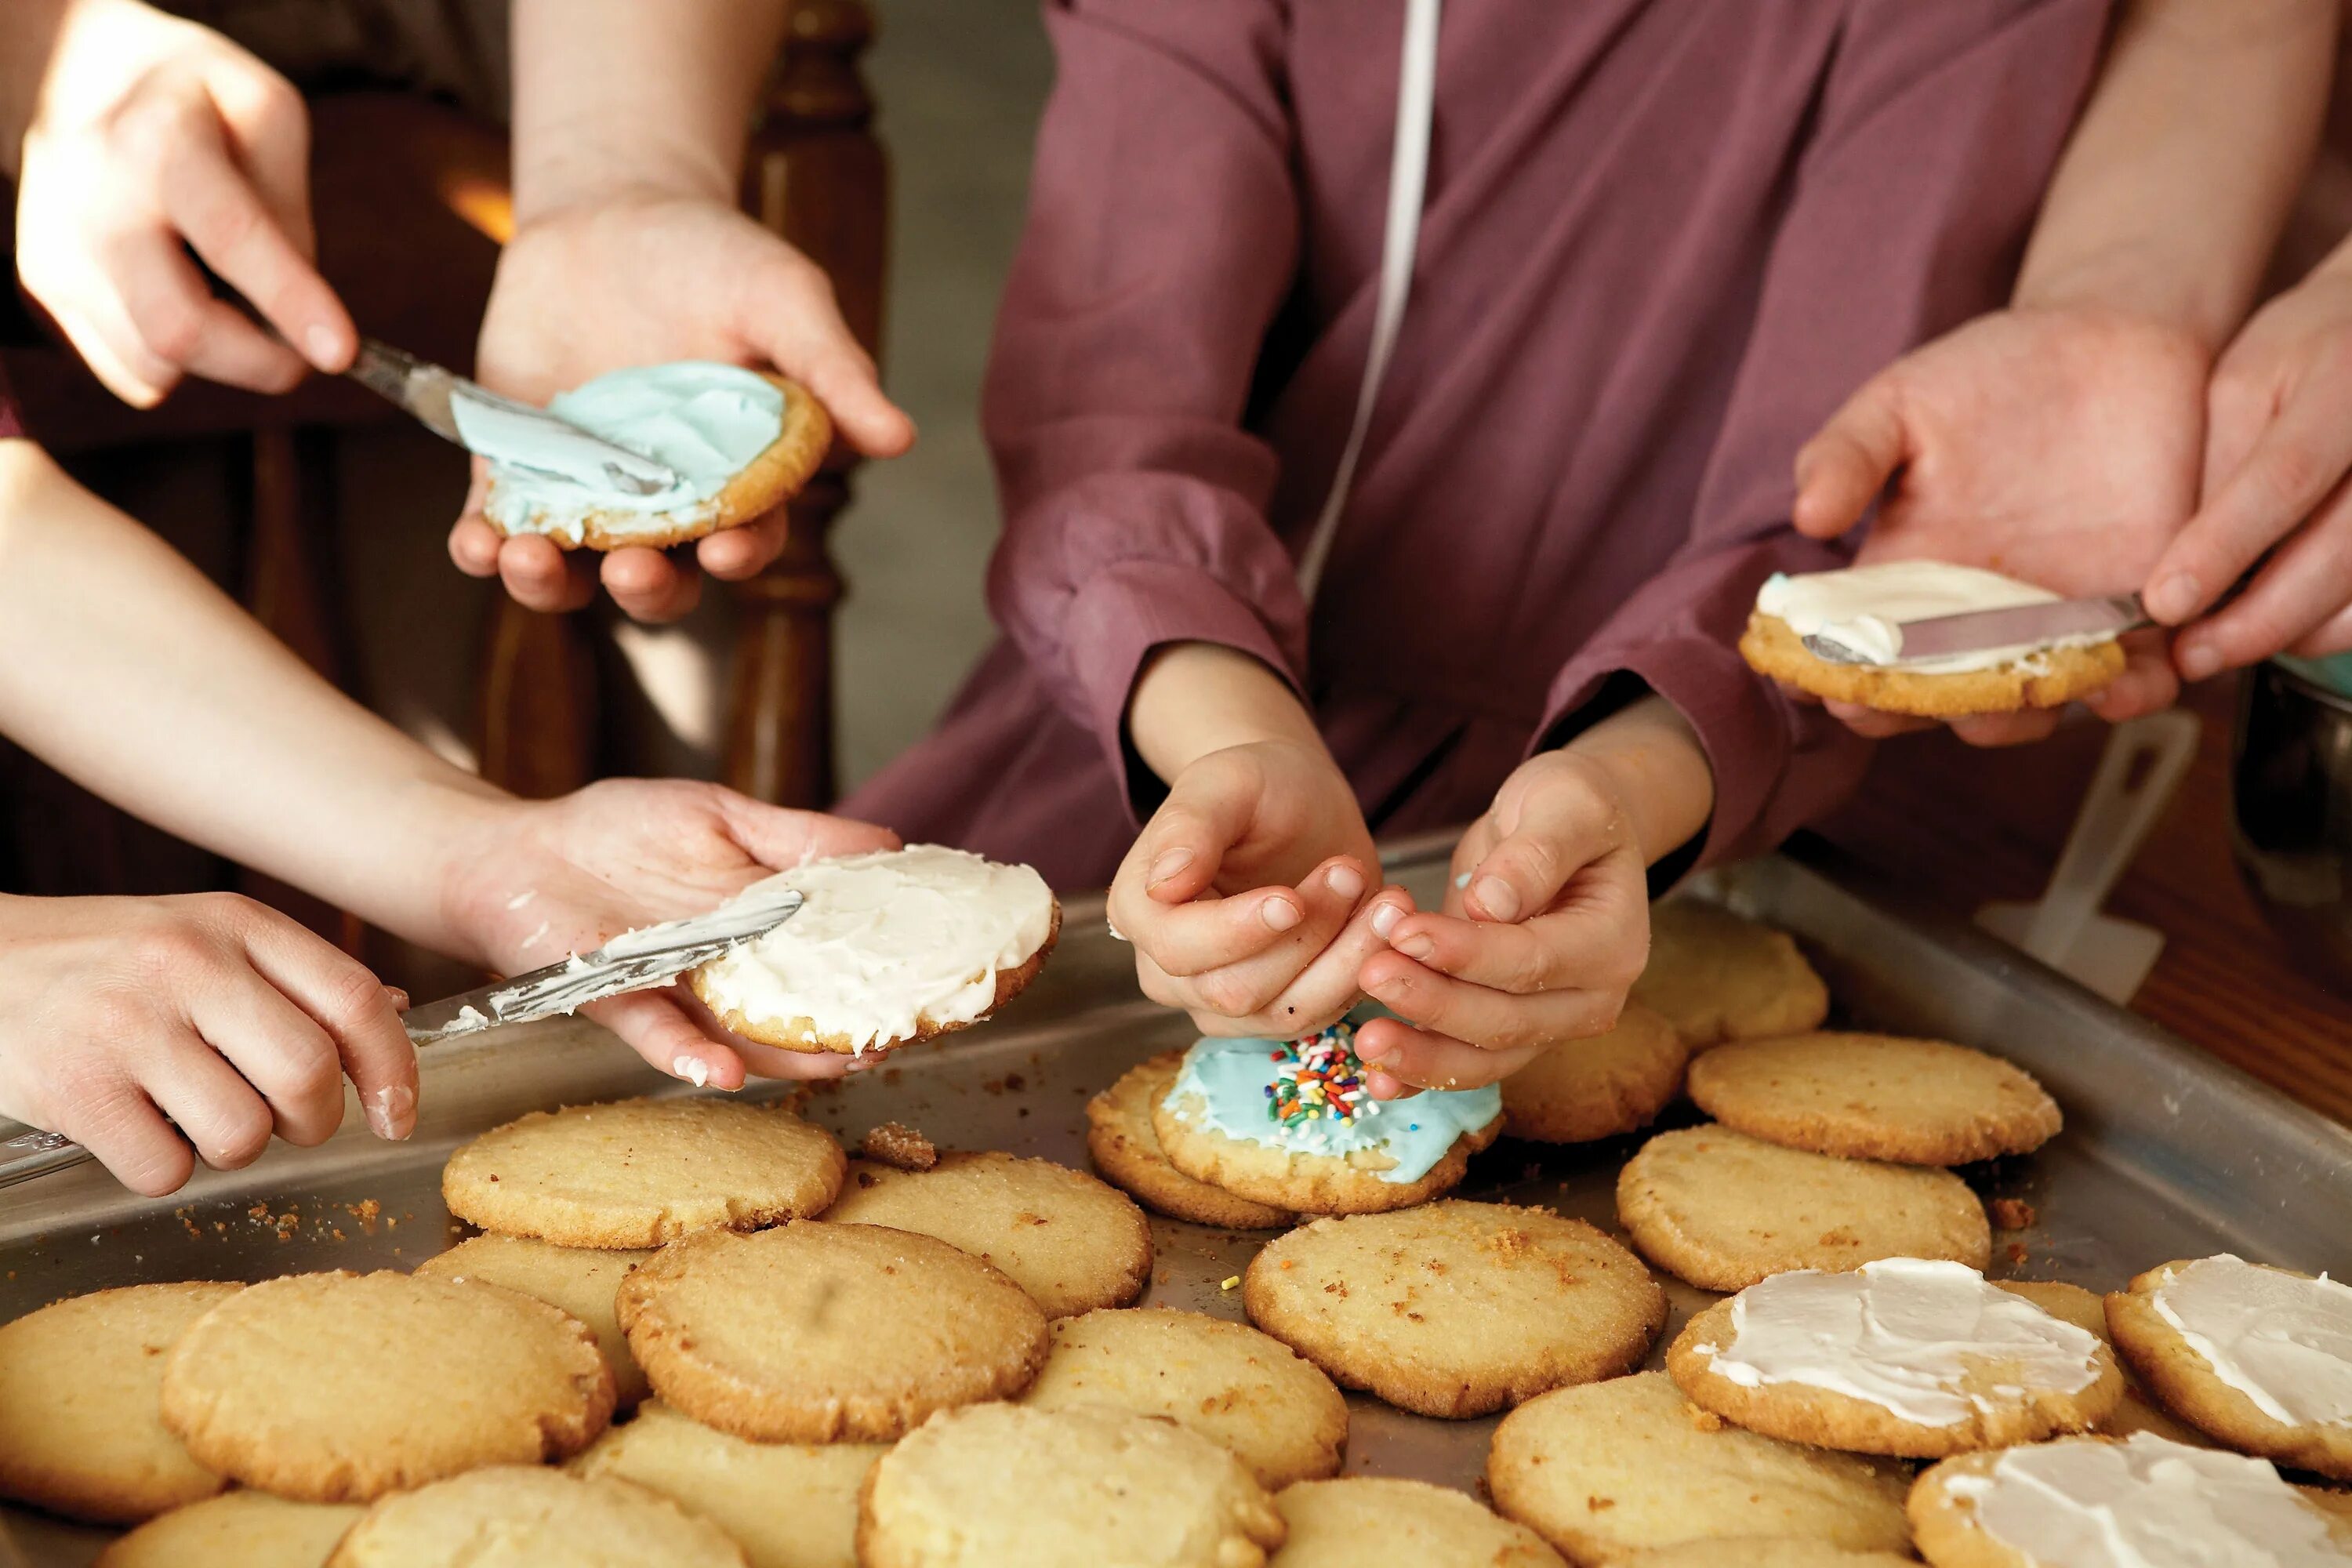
point(1963, 827)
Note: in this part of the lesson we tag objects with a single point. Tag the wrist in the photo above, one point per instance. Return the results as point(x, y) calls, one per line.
point(1192, 698)
point(1656, 770)
point(2131, 280)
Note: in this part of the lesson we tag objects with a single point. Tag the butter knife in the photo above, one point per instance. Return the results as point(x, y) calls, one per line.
point(1978, 631)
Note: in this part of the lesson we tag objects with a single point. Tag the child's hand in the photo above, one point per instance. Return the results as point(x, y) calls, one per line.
point(212, 1010)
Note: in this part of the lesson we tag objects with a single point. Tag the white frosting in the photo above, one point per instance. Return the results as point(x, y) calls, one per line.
point(2282, 1341)
point(1903, 1333)
point(2145, 1502)
point(1862, 605)
point(885, 940)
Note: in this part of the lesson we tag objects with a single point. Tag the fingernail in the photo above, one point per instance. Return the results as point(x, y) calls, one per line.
point(2198, 661)
point(1384, 919)
point(2170, 600)
point(1417, 946)
point(694, 1070)
point(1281, 914)
point(1344, 881)
point(390, 1111)
point(1498, 896)
point(1375, 1053)
point(1394, 986)
point(397, 997)
point(1167, 865)
point(323, 344)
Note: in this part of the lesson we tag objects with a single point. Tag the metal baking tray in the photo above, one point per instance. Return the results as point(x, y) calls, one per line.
point(2166, 1152)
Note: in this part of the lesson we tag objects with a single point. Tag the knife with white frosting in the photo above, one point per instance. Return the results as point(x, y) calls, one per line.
point(1893, 643)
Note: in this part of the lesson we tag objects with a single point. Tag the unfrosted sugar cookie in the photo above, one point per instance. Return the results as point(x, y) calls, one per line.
point(237, 1530)
point(582, 1280)
point(1905, 1356)
point(1368, 1521)
point(2259, 1358)
point(1875, 1097)
point(1612, 1083)
point(1126, 1149)
point(527, 1514)
point(892, 946)
point(1717, 977)
point(2137, 1411)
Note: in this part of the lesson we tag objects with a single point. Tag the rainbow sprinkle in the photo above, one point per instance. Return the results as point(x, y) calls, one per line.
point(1319, 1078)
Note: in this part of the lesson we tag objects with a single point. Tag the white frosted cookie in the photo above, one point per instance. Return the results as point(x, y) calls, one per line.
point(236, 1530)
point(1612, 1083)
point(893, 945)
point(1903, 1356)
point(1716, 976)
point(1371, 1521)
point(1225, 1381)
point(788, 1505)
point(80, 1430)
point(991, 1486)
point(579, 1280)
point(521, 1514)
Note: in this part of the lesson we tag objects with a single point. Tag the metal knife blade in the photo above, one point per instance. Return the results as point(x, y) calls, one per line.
point(431, 393)
point(2023, 626)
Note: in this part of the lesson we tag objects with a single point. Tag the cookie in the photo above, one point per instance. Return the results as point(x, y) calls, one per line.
point(1761, 1551)
point(1225, 1381)
point(1903, 1357)
point(1598, 1087)
point(1721, 1210)
point(341, 1387)
point(1127, 1152)
point(1366, 1521)
point(2143, 1500)
point(892, 946)
point(1456, 1309)
point(639, 1173)
point(787, 1505)
point(1717, 977)
point(998, 1484)
point(80, 1428)
point(518, 1514)
point(730, 475)
point(1875, 1097)
point(1610, 1468)
point(237, 1530)
point(1073, 1243)
point(579, 1279)
point(2137, 1411)
point(1291, 1125)
point(2259, 1358)
point(816, 1332)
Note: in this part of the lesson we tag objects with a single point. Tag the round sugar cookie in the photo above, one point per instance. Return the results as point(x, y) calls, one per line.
point(341, 1387)
point(1069, 1241)
point(1372, 1521)
point(1456, 1309)
point(1720, 1210)
point(1608, 1469)
point(1127, 1152)
point(638, 1172)
point(2281, 1385)
point(1598, 1088)
point(573, 516)
point(579, 1280)
point(1228, 1382)
point(816, 1332)
point(236, 1530)
point(892, 946)
point(1875, 1097)
point(81, 1431)
point(1761, 1551)
point(1903, 1357)
point(1716, 976)
point(787, 1505)
point(2137, 1411)
point(2051, 678)
point(998, 1484)
point(525, 1513)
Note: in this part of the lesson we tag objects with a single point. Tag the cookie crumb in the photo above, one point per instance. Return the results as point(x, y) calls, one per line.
point(897, 1144)
point(1704, 1420)
point(2013, 1213)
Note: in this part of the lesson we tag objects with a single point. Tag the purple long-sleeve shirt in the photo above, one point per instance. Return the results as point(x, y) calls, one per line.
point(1663, 240)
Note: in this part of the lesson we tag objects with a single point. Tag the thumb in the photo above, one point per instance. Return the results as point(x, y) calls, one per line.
point(782, 839)
point(1850, 460)
point(797, 325)
point(1207, 811)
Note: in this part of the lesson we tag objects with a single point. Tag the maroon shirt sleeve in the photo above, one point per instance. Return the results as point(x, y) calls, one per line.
point(11, 423)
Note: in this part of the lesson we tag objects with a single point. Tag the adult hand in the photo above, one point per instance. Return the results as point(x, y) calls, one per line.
point(2059, 446)
point(642, 279)
point(153, 138)
point(212, 1010)
point(537, 879)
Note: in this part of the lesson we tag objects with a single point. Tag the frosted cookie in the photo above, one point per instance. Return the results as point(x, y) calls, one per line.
point(1073, 1243)
point(1762, 1551)
point(1228, 1382)
point(1000, 1484)
point(816, 1332)
point(519, 1514)
point(1903, 1356)
point(579, 1279)
point(237, 1530)
point(2143, 1501)
point(1292, 1126)
point(740, 443)
point(892, 945)
point(639, 1173)
point(1721, 1210)
point(1612, 1468)
point(787, 1505)
point(1456, 1309)
point(1860, 607)
point(1717, 977)
point(2137, 1411)
point(1127, 1152)
point(80, 1433)
point(1598, 1087)
point(1366, 1522)
point(2259, 1358)
point(1875, 1097)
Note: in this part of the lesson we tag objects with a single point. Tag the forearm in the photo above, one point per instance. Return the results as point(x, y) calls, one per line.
point(1194, 698)
point(615, 95)
point(2177, 181)
point(1661, 771)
